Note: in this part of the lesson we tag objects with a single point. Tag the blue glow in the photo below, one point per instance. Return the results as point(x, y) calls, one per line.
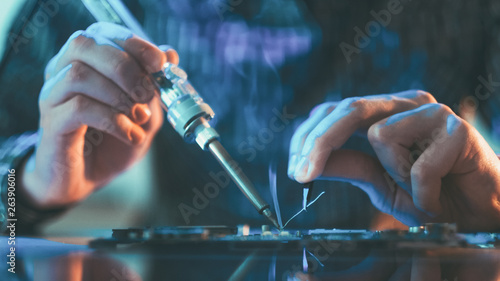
point(391, 39)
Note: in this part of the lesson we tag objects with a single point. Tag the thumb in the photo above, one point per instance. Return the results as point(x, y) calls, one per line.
point(366, 172)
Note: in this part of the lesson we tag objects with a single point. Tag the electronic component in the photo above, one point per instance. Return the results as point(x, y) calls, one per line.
point(427, 236)
point(306, 194)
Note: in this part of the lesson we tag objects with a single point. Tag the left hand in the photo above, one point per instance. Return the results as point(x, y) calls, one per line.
point(431, 165)
point(99, 113)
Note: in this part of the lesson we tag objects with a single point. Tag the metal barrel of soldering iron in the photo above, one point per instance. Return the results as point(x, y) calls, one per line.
point(189, 115)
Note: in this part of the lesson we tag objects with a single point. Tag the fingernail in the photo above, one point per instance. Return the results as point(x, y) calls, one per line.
point(291, 165)
point(141, 113)
point(136, 136)
point(302, 169)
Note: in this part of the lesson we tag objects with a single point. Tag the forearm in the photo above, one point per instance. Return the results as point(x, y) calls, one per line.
point(15, 209)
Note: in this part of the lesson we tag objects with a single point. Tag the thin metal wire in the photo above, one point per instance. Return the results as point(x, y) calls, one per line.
point(303, 209)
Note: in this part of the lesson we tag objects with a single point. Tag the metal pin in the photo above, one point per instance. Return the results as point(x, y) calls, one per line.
point(306, 194)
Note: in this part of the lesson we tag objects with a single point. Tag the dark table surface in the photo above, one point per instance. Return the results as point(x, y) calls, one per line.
point(70, 258)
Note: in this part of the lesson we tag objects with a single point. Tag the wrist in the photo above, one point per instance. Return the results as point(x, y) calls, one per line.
point(33, 189)
point(27, 189)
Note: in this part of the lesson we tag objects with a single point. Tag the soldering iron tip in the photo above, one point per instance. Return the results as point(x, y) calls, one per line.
point(271, 218)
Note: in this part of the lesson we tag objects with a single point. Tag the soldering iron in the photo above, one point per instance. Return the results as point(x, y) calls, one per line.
point(186, 110)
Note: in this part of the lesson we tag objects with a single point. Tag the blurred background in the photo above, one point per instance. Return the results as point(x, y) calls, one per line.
point(253, 61)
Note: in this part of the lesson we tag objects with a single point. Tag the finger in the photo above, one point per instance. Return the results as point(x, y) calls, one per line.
point(433, 129)
point(349, 116)
point(433, 165)
point(149, 56)
point(297, 140)
point(366, 172)
point(81, 111)
point(155, 121)
point(172, 55)
point(76, 78)
point(400, 139)
point(109, 59)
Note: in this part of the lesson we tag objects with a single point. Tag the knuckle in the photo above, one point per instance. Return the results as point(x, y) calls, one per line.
point(352, 101)
point(425, 97)
point(456, 125)
point(356, 105)
point(120, 121)
point(152, 58)
point(81, 42)
point(376, 134)
point(418, 172)
point(79, 72)
point(123, 64)
point(437, 108)
point(79, 103)
point(444, 109)
point(124, 104)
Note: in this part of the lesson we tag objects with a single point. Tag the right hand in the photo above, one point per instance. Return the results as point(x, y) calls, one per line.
point(98, 114)
point(430, 164)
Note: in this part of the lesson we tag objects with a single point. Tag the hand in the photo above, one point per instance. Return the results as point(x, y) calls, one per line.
point(431, 165)
point(98, 114)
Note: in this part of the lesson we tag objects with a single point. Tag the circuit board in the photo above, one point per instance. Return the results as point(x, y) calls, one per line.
point(427, 236)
